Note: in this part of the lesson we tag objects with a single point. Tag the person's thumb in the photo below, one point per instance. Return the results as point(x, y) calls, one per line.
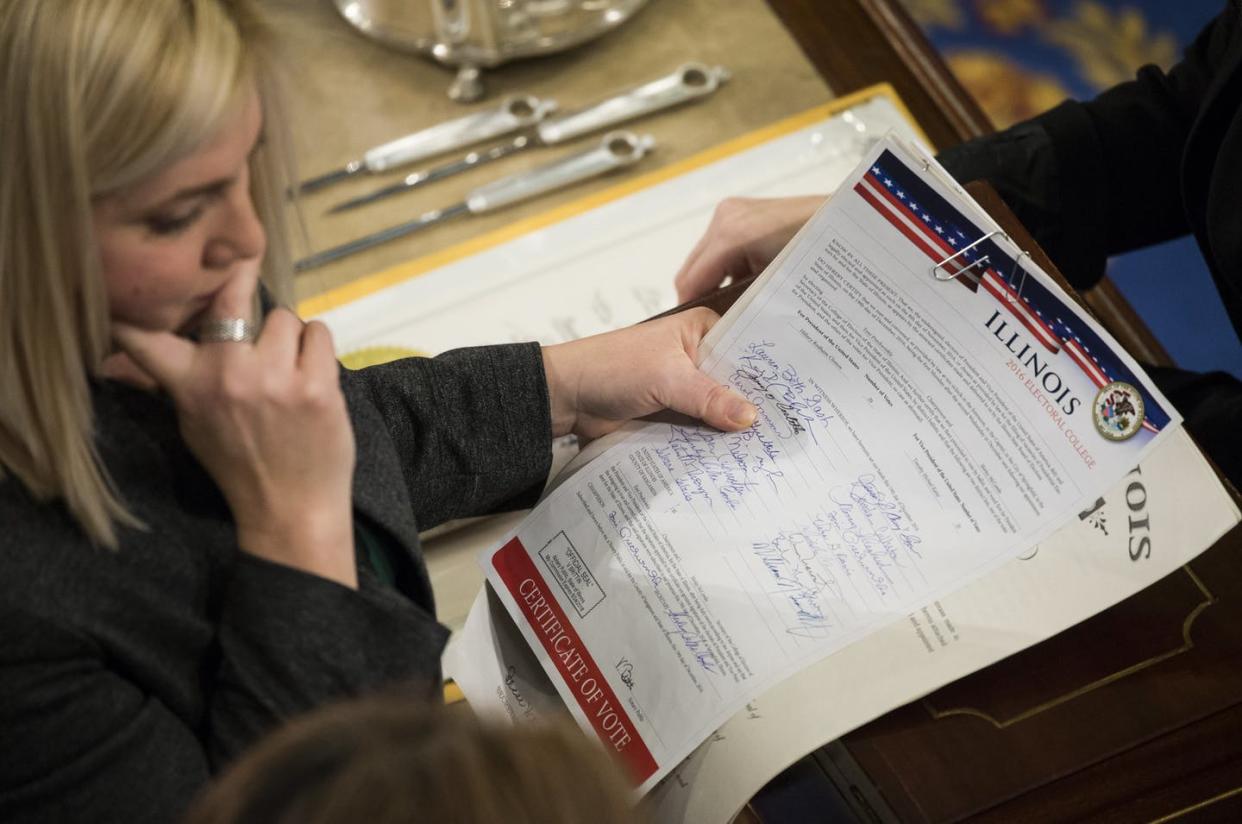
point(695, 394)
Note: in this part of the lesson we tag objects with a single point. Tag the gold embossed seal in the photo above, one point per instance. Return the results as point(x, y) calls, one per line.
point(1118, 411)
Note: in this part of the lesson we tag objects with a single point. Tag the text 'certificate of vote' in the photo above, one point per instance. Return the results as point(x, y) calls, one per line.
point(931, 405)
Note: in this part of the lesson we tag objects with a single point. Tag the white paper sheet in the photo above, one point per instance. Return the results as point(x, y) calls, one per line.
point(914, 434)
point(1153, 521)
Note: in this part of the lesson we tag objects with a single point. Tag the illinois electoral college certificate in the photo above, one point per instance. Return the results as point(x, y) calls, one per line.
point(931, 405)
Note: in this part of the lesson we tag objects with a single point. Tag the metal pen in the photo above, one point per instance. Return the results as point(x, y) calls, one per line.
point(512, 114)
point(615, 151)
point(691, 81)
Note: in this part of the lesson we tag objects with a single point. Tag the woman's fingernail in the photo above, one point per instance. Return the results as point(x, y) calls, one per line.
point(741, 412)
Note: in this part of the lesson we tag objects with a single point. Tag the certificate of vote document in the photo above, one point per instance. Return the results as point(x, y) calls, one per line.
point(931, 405)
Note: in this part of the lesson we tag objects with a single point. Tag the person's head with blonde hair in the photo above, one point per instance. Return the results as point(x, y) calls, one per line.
point(392, 761)
point(96, 97)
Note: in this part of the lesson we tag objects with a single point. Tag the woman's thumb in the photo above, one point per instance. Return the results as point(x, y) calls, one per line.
point(713, 403)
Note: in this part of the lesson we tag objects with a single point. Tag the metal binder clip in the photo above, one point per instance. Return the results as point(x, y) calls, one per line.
point(939, 271)
point(1013, 273)
point(1014, 293)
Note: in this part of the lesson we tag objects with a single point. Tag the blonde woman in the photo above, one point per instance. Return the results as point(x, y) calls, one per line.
point(206, 527)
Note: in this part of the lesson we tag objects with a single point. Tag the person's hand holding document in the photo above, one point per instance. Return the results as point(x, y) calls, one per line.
point(931, 405)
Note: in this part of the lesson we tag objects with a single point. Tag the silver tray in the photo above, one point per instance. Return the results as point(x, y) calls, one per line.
point(476, 34)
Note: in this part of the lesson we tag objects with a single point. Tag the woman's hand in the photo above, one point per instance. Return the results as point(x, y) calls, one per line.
point(744, 236)
point(598, 383)
point(268, 422)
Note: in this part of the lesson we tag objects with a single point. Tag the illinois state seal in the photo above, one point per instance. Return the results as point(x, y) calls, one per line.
point(1118, 411)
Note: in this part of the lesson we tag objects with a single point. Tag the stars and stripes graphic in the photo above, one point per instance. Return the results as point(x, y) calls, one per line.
point(924, 231)
point(920, 214)
point(941, 238)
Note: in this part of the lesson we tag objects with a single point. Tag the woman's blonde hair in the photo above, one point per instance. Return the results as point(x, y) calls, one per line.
point(390, 760)
point(96, 96)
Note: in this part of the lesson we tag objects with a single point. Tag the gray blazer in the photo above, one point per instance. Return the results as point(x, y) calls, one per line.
point(127, 678)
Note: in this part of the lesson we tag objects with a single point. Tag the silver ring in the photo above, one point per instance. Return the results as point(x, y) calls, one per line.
point(227, 330)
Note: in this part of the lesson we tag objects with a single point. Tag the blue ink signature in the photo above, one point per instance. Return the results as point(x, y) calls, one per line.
point(761, 378)
point(683, 628)
point(791, 560)
point(624, 533)
point(858, 539)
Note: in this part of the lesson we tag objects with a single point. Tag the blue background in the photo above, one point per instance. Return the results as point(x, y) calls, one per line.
point(1021, 56)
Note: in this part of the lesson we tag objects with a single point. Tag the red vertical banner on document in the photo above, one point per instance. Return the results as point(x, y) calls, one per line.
point(561, 641)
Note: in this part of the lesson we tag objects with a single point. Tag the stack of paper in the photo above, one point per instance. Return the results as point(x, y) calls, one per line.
point(932, 408)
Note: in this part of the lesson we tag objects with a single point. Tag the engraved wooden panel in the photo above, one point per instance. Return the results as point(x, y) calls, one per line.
point(1020, 743)
point(1167, 619)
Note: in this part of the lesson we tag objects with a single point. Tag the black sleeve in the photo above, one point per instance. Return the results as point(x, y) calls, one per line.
point(1094, 179)
point(290, 641)
point(472, 428)
point(82, 742)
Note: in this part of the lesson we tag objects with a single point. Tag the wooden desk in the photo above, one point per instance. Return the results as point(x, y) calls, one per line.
point(349, 93)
